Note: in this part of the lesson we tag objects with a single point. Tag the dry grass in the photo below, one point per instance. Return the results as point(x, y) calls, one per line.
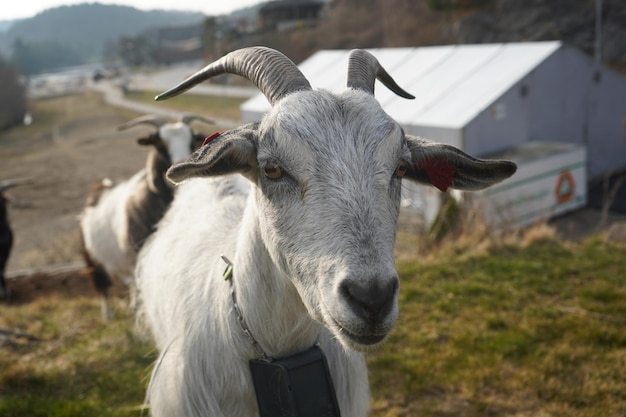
point(468, 234)
point(63, 249)
point(78, 366)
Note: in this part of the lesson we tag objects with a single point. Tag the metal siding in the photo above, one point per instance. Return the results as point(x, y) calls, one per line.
point(407, 74)
point(491, 131)
point(392, 58)
point(607, 124)
point(452, 84)
point(567, 105)
point(485, 83)
point(253, 109)
point(440, 85)
point(448, 136)
point(557, 99)
point(327, 70)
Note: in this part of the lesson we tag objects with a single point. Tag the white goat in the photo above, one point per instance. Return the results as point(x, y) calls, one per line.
point(117, 219)
point(309, 226)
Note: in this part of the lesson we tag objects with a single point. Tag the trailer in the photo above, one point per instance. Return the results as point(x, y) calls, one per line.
point(550, 181)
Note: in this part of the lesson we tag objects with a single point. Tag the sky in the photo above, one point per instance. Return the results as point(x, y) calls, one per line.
point(29, 8)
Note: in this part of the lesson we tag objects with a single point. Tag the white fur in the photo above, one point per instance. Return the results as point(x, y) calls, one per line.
point(203, 367)
point(104, 229)
point(304, 247)
point(177, 137)
point(220, 383)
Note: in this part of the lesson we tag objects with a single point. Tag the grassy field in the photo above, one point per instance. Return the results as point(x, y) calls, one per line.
point(220, 107)
point(523, 326)
point(529, 329)
point(78, 367)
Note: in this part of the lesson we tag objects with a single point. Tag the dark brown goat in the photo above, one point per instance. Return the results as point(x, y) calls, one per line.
point(6, 234)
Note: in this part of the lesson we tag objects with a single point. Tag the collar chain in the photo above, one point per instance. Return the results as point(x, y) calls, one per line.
point(228, 276)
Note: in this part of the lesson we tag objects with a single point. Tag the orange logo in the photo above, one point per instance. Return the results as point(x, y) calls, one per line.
point(565, 187)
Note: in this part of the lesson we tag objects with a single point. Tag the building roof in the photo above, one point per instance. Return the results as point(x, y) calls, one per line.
point(452, 84)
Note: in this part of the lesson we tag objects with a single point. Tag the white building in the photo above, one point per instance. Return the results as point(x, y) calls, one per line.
point(495, 98)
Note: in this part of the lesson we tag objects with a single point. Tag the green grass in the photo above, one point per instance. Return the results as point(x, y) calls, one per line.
point(209, 106)
point(80, 367)
point(535, 329)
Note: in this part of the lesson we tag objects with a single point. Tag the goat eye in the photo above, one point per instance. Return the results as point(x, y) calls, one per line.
point(273, 171)
point(401, 169)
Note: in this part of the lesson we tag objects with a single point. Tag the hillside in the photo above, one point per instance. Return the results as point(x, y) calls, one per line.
point(371, 24)
point(572, 21)
point(84, 30)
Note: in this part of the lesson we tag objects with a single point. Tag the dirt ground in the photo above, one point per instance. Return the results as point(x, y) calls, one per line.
point(78, 147)
point(72, 144)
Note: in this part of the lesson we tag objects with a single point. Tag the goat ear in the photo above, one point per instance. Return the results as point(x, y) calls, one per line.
point(230, 152)
point(445, 166)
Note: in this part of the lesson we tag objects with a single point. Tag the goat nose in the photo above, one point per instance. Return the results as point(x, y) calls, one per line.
point(371, 301)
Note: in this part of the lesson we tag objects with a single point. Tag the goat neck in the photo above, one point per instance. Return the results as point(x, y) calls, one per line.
point(267, 298)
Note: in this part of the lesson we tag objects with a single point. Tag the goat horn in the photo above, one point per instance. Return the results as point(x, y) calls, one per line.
point(149, 119)
point(364, 69)
point(271, 71)
point(6, 184)
point(188, 118)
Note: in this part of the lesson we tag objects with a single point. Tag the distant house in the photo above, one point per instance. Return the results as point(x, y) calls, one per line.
point(286, 14)
point(546, 105)
point(177, 44)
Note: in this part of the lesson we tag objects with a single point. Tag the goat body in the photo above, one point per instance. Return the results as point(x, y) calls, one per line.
point(117, 220)
point(203, 368)
point(308, 217)
point(106, 226)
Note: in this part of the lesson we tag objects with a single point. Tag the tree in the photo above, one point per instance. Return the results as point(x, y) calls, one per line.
point(210, 38)
point(135, 50)
point(36, 57)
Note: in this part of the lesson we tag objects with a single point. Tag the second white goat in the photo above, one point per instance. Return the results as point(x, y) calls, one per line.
point(116, 220)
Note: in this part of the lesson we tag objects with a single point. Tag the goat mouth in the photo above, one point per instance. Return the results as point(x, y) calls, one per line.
point(368, 340)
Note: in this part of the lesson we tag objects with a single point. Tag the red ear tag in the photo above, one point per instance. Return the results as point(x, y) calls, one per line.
point(440, 172)
point(210, 138)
